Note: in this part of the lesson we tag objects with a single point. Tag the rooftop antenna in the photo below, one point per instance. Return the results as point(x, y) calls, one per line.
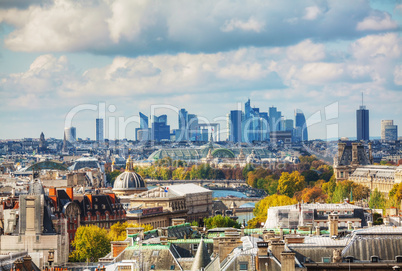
point(362, 98)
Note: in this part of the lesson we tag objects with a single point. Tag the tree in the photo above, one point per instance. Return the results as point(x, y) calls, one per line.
point(118, 230)
point(377, 200)
point(348, 189)
point(247, 169)
point(313, 194)
point(329, 187)
point(396, 192)
point(288, 184)
point(220, 221)
point(111, 176)
point(310, 176)
point(90, 243)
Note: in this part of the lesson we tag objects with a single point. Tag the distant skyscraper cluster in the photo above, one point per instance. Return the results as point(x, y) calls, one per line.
point(248, 126)
point(254, 125)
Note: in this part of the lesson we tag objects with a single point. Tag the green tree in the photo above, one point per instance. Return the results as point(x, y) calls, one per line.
point(247, 169)
point(111, 176)
point(90, 244)
point(220, 221)
point(288, 184)
point(377, 200)
point(310, 176)
point(329, 187)
point(194, 173)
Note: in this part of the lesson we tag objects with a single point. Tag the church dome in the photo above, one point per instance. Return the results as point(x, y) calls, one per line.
point(129, 182)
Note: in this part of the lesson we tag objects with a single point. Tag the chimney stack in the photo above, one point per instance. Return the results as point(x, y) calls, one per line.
point(333, 224)
point(288, 261)
point(276, 248)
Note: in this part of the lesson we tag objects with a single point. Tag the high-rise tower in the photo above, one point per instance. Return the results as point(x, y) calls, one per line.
point(362, 122)
point(99, 130)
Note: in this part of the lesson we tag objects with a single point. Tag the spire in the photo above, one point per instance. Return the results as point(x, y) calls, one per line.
point(201, 259)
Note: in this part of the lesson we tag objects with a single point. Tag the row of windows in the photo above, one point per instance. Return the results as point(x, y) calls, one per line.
point(335, 212)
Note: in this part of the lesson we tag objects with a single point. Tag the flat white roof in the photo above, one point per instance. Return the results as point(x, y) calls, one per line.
point(184, 189)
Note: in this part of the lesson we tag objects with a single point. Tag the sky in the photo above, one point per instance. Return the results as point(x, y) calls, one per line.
point(67, 62)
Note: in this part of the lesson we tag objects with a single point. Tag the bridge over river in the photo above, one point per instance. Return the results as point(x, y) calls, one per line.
point(210, 183)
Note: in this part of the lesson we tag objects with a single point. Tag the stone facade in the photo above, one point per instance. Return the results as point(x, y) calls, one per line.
point(350, 156)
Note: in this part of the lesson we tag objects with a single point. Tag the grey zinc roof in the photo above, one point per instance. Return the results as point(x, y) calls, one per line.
point(384, 242)
point(321, 241)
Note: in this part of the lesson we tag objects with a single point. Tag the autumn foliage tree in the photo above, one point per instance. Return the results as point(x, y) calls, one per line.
point(261, 208)
point(118, 230)
point(396, 192)
point(311, 194)
point(288, 184)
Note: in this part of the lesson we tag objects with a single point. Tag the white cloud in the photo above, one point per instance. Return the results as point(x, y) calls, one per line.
point(149, 27)
point(250, 25)
point(398, 75)
point(306, 51)
point(65, 25)
point(377, 46)
point(378, 21)
point(311, 13)
point(320, 73)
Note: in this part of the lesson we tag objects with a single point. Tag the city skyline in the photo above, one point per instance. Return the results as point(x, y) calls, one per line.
point(310, 57)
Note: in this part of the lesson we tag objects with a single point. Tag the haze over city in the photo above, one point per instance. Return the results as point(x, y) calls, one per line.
point(206, 57)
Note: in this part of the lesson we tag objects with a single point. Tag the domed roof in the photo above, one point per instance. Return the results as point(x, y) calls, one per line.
point(129, 180)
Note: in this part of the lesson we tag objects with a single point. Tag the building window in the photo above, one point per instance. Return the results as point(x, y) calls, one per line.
point(326, 259)
point(172, 267)
point(153, 267)
point(243, 266)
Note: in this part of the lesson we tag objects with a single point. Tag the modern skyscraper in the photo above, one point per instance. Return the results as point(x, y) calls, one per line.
point(275, 119)
point(183, 119)
point(160, 129)
point(235, 119)
point(301, 126)
point(143, 121)
point(70, 134)
point(192, 127)
point(287, 125)
point(362, 123)
point(99, 130)
point(142, 133)
point(384, 124)
point(391, 132)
